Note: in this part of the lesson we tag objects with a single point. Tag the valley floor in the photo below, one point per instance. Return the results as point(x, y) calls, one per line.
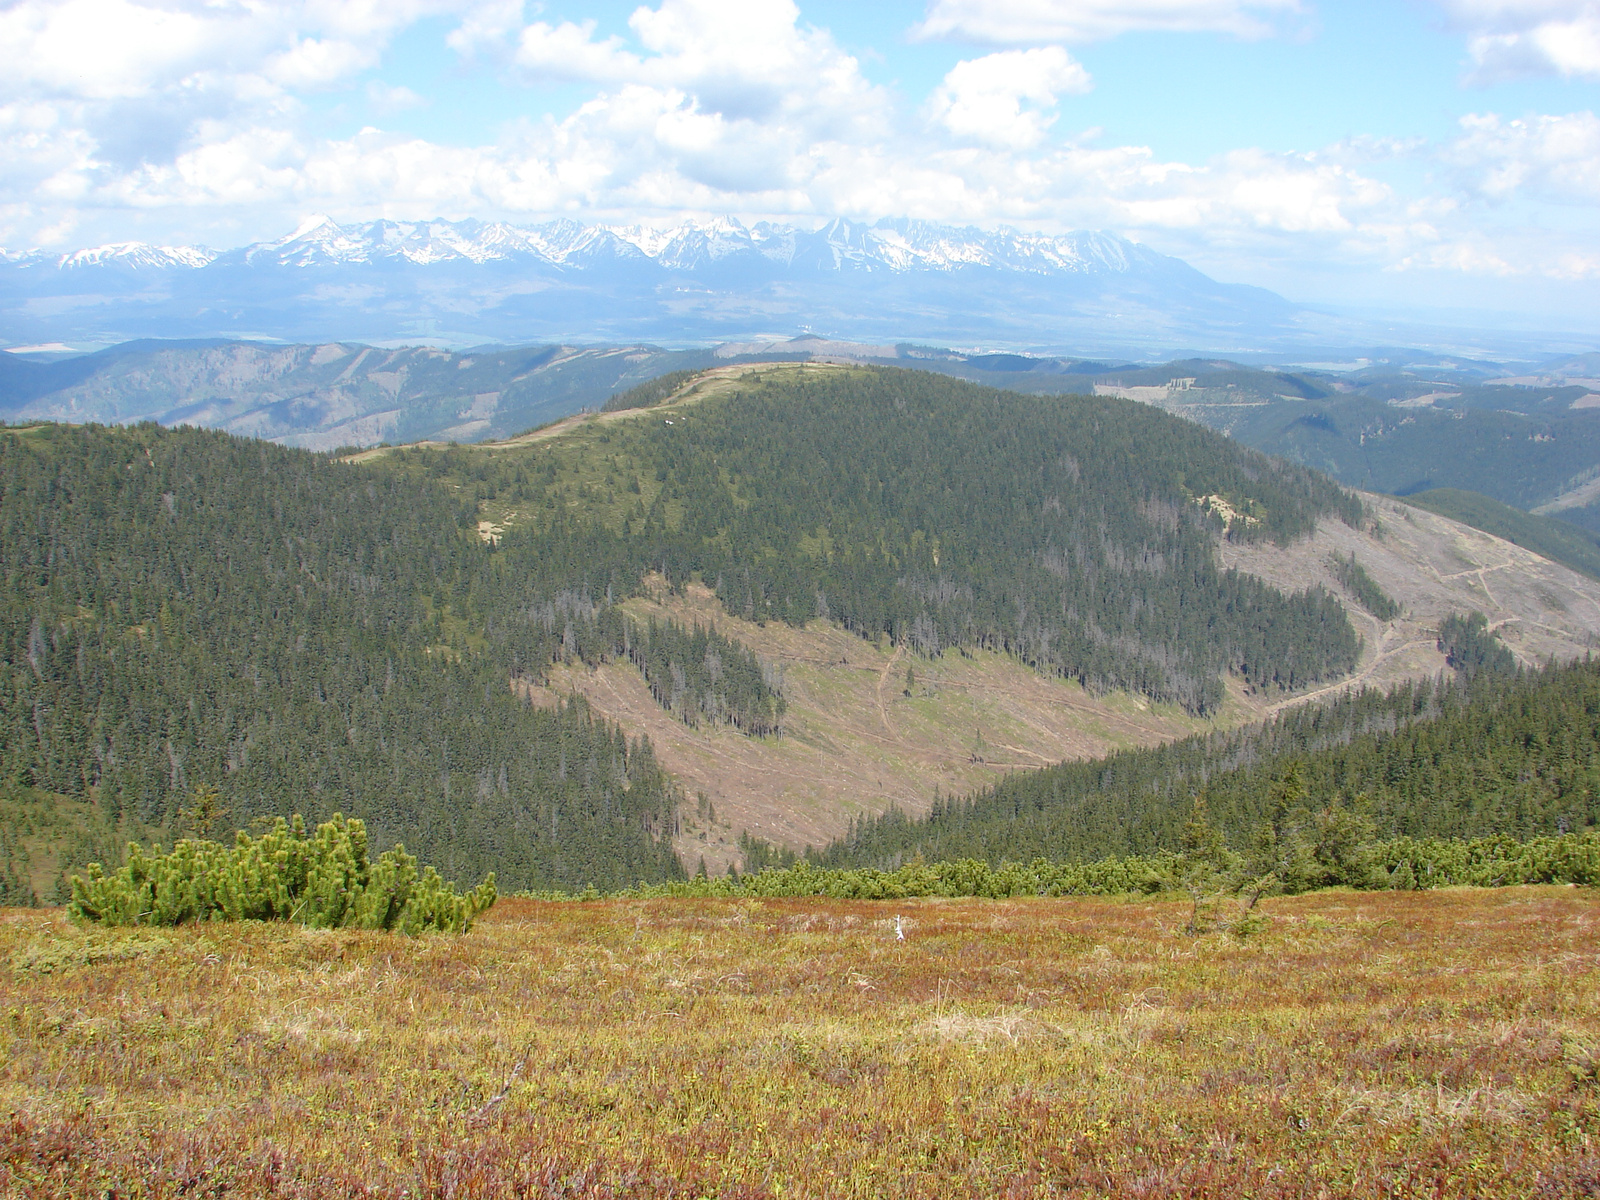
point(1435, 1043)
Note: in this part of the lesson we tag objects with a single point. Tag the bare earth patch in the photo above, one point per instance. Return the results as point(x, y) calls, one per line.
point(1434, 567)
point(854, 742)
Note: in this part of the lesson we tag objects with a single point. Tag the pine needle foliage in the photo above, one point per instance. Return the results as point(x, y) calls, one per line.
point(1364, 588)
point(1206, 871)
point(178, 605)
point(1476, 753)
point(323, 879)
point(1471, 647)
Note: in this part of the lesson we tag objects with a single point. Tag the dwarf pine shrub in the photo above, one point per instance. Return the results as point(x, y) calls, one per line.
point(323, 879)
point(1203, 870)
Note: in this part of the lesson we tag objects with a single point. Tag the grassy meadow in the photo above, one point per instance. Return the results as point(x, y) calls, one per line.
point(1431, 1044)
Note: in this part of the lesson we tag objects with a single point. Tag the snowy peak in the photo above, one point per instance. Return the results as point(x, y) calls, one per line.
point(138, 256)
point(840, 245)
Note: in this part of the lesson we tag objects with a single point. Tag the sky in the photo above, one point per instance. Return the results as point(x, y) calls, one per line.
point(1385, 155)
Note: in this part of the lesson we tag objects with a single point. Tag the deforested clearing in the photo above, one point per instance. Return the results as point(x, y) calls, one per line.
point(1439, 1043)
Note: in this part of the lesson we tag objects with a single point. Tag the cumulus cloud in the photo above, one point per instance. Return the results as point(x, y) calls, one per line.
point(743, 59)
point(1028, 22)
point(124, 49)
point(983, 99)
point(1551, 158)
point(708, 106)
point(1514, 38)
point(96, 91)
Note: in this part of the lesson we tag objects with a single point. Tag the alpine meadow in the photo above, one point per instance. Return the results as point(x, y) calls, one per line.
point(786, 600)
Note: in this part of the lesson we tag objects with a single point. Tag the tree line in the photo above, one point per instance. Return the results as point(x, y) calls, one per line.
point(1477, 753)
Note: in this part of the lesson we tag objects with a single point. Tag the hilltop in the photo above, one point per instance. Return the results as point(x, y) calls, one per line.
point(367, 632)
point(767, 601)
point(856, 742)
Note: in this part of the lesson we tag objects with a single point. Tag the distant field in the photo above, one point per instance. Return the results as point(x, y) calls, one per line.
point(1415, 1044)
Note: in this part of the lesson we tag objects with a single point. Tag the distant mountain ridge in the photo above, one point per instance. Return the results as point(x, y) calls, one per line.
point(894, 245)
point(334, 394)
point(464, 283)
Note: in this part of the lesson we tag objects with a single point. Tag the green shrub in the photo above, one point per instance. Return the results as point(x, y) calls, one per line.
point(324, 880)
point(1331, 850)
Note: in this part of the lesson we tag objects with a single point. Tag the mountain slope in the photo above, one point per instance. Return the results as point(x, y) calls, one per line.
point(1556, 540)
point(183, 609)
point(1077, 533)
point(467, 282)
point(1008, 579)
point(856, 743)
point(329, 395)
point(1509, 756)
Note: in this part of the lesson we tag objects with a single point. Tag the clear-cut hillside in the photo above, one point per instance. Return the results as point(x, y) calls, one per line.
point(1433, 567)
point(855, 742)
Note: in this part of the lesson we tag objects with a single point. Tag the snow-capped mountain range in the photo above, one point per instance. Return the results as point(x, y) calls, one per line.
point(899, 246)
point(696, 283)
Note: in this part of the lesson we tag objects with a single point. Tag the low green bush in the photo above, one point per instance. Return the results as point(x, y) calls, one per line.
point(322, 879)
point(1334, 858)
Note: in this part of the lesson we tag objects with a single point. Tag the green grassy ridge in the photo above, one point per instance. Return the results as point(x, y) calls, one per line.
point(1557, 540)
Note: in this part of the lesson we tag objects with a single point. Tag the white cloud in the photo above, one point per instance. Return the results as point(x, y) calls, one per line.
point(744, 59)
point(982, 99)
point(1550, 158)
point(97, 92)
point(1027, 22)
point(708, 106)
point(1513, 38)
point(125, 49)
point(388, 98)
point(568, 51)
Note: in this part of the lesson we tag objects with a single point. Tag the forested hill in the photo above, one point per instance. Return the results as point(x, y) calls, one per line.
point(181, 609)
point(1480, 753)
point(1078, 533)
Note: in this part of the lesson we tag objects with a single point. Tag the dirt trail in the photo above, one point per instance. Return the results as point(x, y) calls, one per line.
point(1432, 567)
point(883, 678)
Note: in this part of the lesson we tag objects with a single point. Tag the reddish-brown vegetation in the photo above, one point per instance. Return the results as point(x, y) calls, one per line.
point(1384, 1045)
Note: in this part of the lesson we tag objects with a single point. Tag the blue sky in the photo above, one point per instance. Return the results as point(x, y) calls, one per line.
point(1427, 153)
